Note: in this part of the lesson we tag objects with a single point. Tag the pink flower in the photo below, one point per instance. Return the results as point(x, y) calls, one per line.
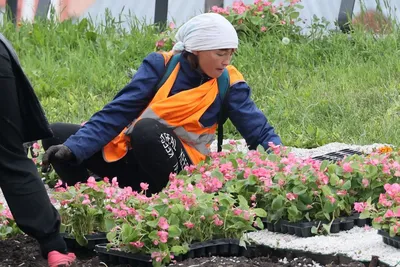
point(154, 213)
point(341, 192)
point(291, 196)
point(137, 244)
point(91, 182)
point(389, 214)
point(263, 29)
point(58, 184)
point(347, 167)
point(155, 242)
point(253, 197)
point(237, 211)
point(365, 182)
point(360, 206)
point(172, 25)
point(163, 236)
point(331, 199)
point(36, 146)
point(163, 223)
point(283, 22)
point(144, 186)
point(189, 225)
point(114, 182)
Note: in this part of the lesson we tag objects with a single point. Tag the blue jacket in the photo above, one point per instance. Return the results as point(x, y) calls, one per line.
point(127, 105)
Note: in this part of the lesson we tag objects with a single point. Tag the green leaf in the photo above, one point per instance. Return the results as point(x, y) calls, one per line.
point(324, 164)
point(347, 185)
point(174, 231)
point(260, 212)
point(294, 15)
point(111, 235)
point(299, 190)
point(260, 223)
point(314, 230)
point(152, 224)
point(334, 179)
point(277, 203)
point(178, 250)
point(243, 202)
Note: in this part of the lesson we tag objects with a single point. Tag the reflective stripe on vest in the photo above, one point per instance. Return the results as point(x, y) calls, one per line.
point(199, 141)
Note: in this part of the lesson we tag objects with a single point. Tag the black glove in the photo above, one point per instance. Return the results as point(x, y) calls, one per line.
point(56, 153)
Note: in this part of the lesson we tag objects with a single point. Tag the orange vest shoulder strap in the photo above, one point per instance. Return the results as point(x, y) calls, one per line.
point(234, 75)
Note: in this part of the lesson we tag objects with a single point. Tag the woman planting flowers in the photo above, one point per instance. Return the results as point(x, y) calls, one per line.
point(166, 117)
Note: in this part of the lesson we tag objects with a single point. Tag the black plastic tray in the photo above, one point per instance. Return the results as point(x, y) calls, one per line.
point(93, 240)
point(387, 239)
point(303, 229)
point(218, 247)
point(227, 248)
point(337, 155)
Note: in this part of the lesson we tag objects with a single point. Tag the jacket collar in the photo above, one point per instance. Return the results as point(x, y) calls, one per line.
point(196, 76)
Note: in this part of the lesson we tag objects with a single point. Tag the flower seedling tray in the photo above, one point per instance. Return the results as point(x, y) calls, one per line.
point(360, 222)
point(303, 229)
point(227, 248)
point(337, 155)
point(93, 240)
point(388, 240)
point(218, 247)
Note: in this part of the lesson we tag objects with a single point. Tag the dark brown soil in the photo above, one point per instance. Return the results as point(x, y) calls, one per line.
point(260, 261)
point(24, 251)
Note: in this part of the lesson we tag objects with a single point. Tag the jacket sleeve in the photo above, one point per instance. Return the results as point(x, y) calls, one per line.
point(107, 123)
point(251, 123)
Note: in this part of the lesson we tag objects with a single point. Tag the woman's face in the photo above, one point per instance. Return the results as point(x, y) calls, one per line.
point(213, 62)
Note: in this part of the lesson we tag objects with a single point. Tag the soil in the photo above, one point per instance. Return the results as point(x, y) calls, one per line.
point(24, 251)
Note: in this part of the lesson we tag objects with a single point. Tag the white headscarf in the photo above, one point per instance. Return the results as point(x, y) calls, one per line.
point(207, 31)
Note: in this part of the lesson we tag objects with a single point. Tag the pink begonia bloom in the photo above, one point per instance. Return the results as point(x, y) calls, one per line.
point(154, 213)
point(202, 217)
point(347, 167)
point(163, 223)
point(365, 182)
point(86, 202)
point(237, 211)
point(156, 255)
point(283, 22)
point(309, 206)
point(253, 197)
point(144, 186)
point(384, 201)
point(172, 25)
point(291, 196)
point(360, 206)
point(256, 2)
point(163, 236)
point(331, 199)
point(58, 184)
point(91, 182)
point(137, 244)
point(189, 225)
point(341, 192)
point(389, 214)
point(106, 180)
point(267, 3)
point(36, 146)
point(114, 182)
point(155, 242)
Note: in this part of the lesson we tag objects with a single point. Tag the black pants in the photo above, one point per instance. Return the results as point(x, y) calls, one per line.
point(19, 180)
point(156, 153)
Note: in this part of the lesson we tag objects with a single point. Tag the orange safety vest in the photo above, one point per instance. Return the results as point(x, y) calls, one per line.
point(181, 112)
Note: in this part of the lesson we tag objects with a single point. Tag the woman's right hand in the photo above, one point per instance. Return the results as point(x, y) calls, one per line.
point(56, 153)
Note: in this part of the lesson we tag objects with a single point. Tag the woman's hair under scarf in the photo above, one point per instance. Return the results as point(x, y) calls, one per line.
point(208, 31)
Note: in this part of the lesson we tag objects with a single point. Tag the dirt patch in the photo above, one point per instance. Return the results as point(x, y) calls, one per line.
point(23, 251)
point(259, 261)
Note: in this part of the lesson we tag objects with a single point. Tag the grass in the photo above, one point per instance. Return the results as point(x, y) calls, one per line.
point(314, 91)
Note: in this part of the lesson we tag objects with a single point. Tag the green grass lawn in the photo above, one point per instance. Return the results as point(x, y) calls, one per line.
point(314, 91)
